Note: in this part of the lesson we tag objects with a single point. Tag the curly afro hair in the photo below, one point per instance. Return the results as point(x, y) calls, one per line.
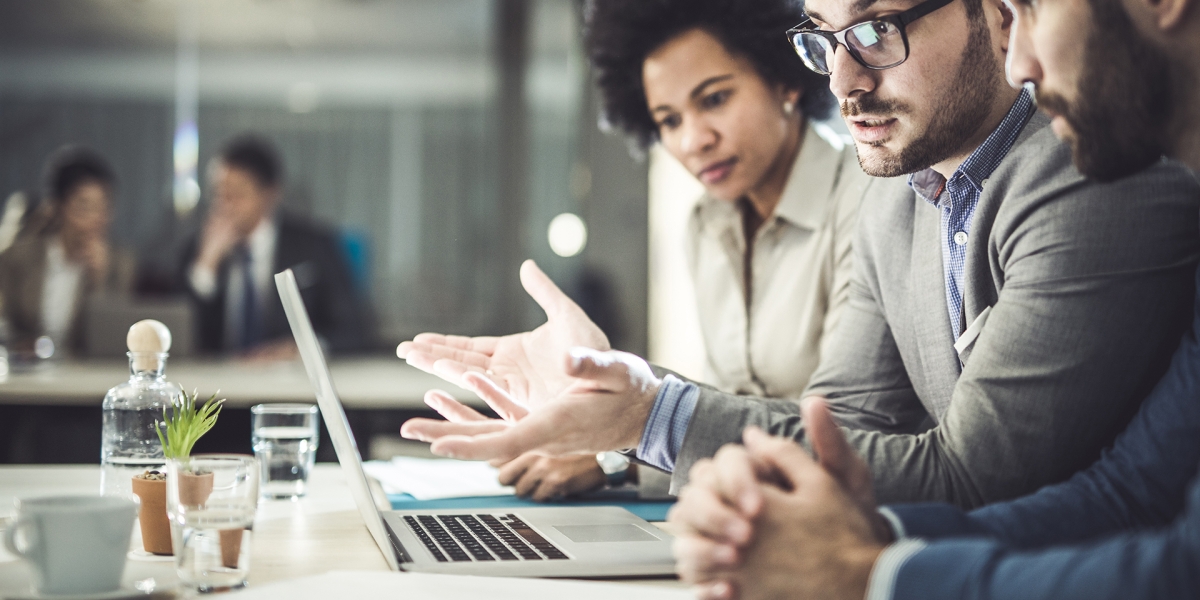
point(620, 34)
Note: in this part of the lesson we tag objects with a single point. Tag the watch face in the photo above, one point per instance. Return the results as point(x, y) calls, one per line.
point(612, 462)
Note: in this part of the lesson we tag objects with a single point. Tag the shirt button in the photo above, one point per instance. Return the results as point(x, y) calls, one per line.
point(960, 238)
point(983, 183)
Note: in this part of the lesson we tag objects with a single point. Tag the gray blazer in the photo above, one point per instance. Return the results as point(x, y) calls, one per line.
point(1084, 291)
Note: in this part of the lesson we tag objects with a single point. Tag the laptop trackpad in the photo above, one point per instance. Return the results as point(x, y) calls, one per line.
point(625, 532)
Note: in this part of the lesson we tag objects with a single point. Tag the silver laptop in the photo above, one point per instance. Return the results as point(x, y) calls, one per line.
point(520, 542)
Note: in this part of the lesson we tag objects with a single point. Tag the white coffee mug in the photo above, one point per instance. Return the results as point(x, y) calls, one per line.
point(74, 544)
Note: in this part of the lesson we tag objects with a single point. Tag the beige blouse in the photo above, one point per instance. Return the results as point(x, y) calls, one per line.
point(801, 268)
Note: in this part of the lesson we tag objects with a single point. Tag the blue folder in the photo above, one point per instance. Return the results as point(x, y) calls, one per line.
point(650, 510)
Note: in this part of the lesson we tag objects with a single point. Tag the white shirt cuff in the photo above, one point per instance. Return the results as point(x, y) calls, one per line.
point(203, 281)
point(882, 585)
point(893, 521)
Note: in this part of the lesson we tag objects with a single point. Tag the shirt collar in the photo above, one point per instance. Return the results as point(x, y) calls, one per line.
point(983, 161)
point(261, 241)
point(809, 191)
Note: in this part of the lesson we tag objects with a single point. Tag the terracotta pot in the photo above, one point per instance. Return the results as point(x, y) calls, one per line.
point(195, 489)
point(231, 547)
point(156, 527)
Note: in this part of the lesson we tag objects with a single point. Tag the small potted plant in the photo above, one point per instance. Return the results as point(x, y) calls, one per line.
point(185, 424)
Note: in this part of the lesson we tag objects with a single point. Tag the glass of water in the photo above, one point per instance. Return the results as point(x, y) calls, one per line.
point(211, 500)
point(285, 442)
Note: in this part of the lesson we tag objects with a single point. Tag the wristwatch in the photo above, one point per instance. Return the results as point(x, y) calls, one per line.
point(615, 467)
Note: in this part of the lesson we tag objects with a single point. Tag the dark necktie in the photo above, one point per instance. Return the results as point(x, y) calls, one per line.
point(250, 324)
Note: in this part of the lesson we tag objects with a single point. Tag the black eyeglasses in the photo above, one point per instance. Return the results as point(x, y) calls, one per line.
point(878, 44)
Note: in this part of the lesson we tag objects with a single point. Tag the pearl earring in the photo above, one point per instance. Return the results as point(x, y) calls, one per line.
point(788, 107)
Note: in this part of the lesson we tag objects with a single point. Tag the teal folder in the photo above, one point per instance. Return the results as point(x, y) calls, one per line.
point(650, 510)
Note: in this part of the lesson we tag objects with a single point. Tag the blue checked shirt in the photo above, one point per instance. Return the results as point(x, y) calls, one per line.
point(956, 198)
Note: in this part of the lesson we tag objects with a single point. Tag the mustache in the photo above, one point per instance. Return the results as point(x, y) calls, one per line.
point(871, 104)
point(1051, 102)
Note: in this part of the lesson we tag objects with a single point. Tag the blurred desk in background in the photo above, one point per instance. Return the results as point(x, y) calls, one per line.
point(51, 414)
point(362, 383)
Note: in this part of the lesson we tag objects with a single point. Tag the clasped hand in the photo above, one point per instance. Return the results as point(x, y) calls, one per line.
point(559, 389)
point(765, 520)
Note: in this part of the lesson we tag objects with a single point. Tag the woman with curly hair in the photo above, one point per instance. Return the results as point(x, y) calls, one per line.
point(717, 84)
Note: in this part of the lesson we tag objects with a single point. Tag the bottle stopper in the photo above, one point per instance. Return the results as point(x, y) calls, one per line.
point(147, 338)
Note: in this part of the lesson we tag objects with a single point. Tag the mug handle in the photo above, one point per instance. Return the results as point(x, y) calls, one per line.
point(10, 537)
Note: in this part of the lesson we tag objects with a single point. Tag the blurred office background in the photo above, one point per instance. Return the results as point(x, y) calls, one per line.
point(442, 138)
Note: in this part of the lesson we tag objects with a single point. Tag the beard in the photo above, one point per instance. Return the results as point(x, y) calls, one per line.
point(957, 114)
point(1120, 119)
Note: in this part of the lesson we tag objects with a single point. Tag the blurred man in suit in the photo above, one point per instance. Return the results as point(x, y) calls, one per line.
point(228, 269)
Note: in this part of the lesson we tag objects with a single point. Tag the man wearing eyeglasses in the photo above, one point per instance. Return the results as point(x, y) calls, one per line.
point(1005, 319)
point(1120, 78)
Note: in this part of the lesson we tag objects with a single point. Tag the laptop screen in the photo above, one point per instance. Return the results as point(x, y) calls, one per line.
point(331, 408)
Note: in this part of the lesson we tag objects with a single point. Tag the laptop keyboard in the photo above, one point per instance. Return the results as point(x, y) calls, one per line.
point(465, 538)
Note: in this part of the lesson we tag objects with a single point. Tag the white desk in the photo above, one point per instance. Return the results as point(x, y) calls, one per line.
point(320, 533)
point(362, 383)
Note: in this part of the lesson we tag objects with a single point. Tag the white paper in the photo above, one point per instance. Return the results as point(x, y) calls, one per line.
point(422, 586)
point(436, 478)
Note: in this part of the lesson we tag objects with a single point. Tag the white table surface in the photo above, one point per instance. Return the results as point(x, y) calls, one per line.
point(319, 533)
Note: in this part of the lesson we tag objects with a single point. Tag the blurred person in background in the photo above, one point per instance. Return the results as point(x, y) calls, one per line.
point(63, 256)
point(228, 269)
point(769, 243)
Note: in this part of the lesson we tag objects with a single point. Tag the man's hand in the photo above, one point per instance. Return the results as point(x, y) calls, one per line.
point(218, 238)
point(810, 541)
point(721, 512)
point(543, 478)
point(604, 407)
point(97, 256)
point(526, 365)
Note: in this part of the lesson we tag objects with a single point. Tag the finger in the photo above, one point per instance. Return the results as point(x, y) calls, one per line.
point(511, 471)
point(789, 461)
point(701, 510)
point(699, 559)
point(527, 483)
point(716, 590)
point(429, 430)
point(495, 396)
point(551, 487)
point(432, 353)
point(543, 291)
point(737, 480)
point(450, 370)
point(482, 344)
point(833, 452)
point(450, 408)
point(524, 436)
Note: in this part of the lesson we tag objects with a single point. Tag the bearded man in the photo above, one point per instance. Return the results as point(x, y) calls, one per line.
point(1005, 319)
point(1119, 78)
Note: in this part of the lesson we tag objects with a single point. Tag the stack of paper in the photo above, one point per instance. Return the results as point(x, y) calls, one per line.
point(436, 478)
point(422, 586)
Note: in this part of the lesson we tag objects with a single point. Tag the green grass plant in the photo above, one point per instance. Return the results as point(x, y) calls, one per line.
point(186, 423)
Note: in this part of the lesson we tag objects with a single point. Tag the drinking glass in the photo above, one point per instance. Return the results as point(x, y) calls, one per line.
point(285, 442)
point(211, 499)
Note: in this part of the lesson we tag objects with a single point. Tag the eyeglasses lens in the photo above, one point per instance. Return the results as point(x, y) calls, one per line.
point(814, 50)
point(877, 43)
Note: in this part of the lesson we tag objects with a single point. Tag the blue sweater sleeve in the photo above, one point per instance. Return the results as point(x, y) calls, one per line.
point(1140, 482)
point(1153, 564)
